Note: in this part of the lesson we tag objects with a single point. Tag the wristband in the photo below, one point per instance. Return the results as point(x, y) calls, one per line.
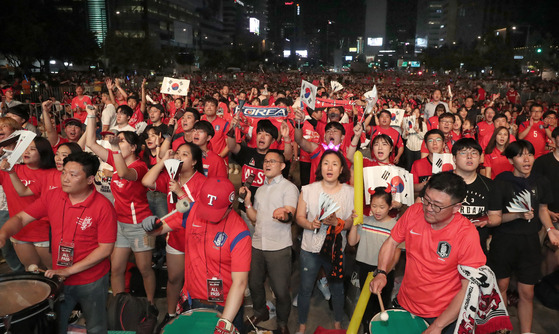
point(116, 152)
point(248, 207)
point(379, 272)
point(91, 116)
point(550, 228)
point(353, 145)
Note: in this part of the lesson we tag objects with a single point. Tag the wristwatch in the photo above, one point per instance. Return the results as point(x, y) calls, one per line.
point(379, 271)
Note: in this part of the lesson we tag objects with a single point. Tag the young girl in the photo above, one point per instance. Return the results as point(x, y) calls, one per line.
point(370, 236)
point(495, 162)
point(456, 132)
point(468, 131)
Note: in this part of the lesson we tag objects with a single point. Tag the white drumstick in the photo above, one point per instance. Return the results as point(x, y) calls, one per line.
point(35, 268)
point(383, 313)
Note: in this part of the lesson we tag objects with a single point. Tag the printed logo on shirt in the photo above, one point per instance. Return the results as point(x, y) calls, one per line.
point(118, 183)
point(251, 162)
point(443, 250)
point(219, 239)
point(217, 127)
point(84, 223)
point(27, 182)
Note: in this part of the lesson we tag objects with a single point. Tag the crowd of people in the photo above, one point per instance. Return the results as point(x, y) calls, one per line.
point(111, 169)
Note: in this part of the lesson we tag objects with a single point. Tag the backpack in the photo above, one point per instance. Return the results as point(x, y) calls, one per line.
point(547, 290)
point(128, 313)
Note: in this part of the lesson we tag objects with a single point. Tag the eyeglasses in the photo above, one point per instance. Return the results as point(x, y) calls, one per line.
point(446, 122)
point(273, 162)
point(435, 207)
point(438, 140)
point(465, 153)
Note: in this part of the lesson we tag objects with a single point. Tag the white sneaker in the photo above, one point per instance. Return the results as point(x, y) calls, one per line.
point(323, 287)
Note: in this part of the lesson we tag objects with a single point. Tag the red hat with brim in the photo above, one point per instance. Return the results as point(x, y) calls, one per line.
point(215, 197)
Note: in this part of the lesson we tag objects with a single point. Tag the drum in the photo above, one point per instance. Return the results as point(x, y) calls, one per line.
point(197, 321)
point(28, 303)
point(399, 321)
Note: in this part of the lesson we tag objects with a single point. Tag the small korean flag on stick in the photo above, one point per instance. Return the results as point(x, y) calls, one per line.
point(308, 94)
point(175, 86)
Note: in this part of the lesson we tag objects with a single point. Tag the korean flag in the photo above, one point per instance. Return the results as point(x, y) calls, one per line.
point(175, 86)
point(308, 94)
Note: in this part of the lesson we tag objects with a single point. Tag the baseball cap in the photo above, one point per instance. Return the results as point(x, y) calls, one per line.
point(72, 121)
point(216, 196)
point(20, 110)
point(110, 132)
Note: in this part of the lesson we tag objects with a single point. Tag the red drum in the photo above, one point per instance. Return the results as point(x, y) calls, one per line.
point(28, 303)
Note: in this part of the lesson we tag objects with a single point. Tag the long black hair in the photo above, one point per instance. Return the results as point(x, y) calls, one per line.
point(45, 153)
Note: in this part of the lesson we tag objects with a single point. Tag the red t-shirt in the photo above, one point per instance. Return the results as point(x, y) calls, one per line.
point(421, 170)
point(212, 250)
point(431, 278)
point(214, 165)
point(311, 135)
point(218, 141)
point(513, 96)
point(498, 163)
point(61, 141)
point(433, 123)
point(38, 230)
point(46, 181)
point(536, 136)
point(84, 224)
point(192, 187)
point(484, 132)
point(80, 103)
point(131, 201)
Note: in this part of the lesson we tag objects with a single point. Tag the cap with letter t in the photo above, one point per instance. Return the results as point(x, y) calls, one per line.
point(216, 196)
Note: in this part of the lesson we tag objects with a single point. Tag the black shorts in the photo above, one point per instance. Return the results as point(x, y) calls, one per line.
point(516, 254)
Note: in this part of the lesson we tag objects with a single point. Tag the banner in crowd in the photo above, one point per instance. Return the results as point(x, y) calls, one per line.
point(22, 140)
point(396, 116)
point(175, 86)
point(327, 103)
point(443, 162)
point(308, 94)
point(265, 112)
point(399, 180)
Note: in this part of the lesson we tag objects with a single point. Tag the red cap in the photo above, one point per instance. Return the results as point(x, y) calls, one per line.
point(216, 196)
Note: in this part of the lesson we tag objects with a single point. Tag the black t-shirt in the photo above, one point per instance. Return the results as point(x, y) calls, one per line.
point(479, 200)
point(508, 190)
point(548, 166)
point(252, 162)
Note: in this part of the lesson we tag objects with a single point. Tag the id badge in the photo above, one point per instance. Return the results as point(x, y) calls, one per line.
point(65, 254)
point(215, 290)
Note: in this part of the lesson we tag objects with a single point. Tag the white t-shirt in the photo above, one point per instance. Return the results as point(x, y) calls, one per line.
point(108, 116)
point(312, 242)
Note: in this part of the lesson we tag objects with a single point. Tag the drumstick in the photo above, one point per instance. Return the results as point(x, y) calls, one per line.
point(35, 268)
point(383, 314)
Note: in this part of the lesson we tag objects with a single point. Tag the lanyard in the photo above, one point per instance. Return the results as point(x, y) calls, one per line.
point(75, 227)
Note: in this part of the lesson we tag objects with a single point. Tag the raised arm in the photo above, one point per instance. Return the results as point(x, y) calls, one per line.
point(90, 141)
point(52, 135)
point(232, 144)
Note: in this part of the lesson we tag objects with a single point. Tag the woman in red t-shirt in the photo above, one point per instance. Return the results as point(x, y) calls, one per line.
point(494, 161)
point(187, 185)
point(131, 205)
point(31, 243)
point(51, 178)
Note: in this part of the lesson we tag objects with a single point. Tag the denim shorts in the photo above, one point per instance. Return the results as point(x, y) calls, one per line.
point(134, 237)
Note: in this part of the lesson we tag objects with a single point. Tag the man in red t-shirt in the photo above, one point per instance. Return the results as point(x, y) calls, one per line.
point(438, 239)
point(214, 165)
point(83, 224)
point(217, 252)
point(533, 130)
point(221, 126)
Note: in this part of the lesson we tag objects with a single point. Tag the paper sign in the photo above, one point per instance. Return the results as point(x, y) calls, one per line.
point(175, 86)
point(443, 163)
